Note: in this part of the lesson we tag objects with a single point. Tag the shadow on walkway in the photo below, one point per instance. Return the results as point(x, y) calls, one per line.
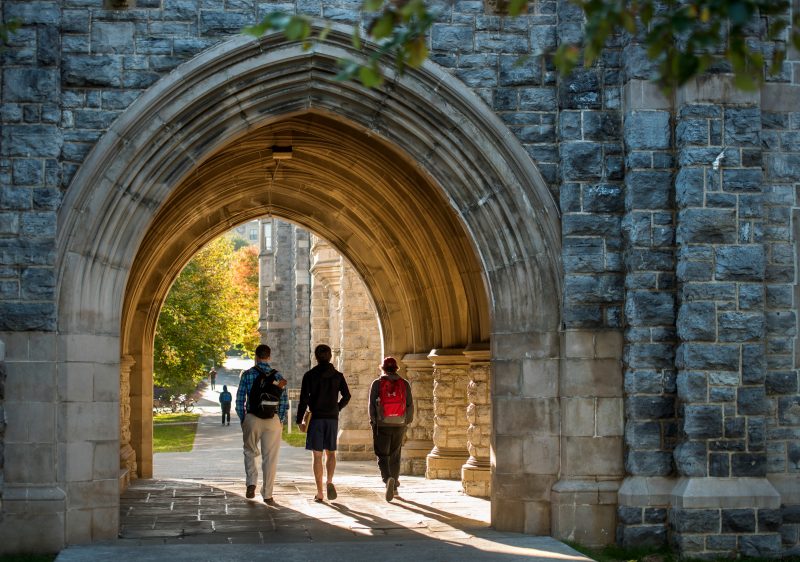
point(195, 510)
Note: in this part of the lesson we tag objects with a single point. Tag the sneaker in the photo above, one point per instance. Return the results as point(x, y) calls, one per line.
point(331, 491)
point(270, 502)
point(251, 491)
point(390, 489)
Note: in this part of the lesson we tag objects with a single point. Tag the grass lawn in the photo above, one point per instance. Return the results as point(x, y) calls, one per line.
point(174, 433)
point(296, 439)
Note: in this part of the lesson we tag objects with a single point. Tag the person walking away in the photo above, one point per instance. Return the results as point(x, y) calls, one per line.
point(391, 410)
point(212, 377)
point(320, 392)
point(261, 405)
point(225, 400)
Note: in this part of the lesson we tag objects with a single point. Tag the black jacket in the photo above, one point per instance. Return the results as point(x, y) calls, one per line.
point(320, 392)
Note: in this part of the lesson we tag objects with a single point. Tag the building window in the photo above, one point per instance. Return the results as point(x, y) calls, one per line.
point(267, 235)
point(253, 234)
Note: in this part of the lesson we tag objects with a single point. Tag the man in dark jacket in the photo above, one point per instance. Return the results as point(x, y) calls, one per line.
point(319, 392)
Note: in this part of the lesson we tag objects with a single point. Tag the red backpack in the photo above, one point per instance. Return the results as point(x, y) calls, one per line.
point(392, 401)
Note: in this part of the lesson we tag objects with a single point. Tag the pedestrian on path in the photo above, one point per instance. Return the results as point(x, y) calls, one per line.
point(320, 392)
point(225, 400)
point(212, 378)
point(261, 406)
point(391, 409)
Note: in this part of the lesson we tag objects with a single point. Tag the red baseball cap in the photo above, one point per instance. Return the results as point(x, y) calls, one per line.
point(389, 364)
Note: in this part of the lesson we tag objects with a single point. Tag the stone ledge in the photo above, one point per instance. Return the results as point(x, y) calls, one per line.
point(646, 491)
point(717, 89)
point(21, 493)
point(779, 97)
point(704, 493)
point(788, 486)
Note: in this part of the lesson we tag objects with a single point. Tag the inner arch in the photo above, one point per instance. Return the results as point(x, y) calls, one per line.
point(372, 204)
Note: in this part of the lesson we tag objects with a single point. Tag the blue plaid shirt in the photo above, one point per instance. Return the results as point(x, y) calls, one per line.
point(246, 382)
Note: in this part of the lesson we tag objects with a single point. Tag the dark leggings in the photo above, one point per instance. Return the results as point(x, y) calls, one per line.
point(226, 412)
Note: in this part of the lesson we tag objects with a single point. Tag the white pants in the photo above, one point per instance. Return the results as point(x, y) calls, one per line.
point(267, 433)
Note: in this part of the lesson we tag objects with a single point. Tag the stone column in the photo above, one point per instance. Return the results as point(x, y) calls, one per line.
point(722, 453)
point(450, 376)
point(476, 475)
point(419, 436)
point(342, 316)
point(127, 456)
point(360, 361)
point(649, 354)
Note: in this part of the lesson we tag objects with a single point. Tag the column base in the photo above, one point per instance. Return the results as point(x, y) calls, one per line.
point(642, 511)
point(413, 459)
point(718, 517)
point(34, 519)
point(445, 464)
point(354, 445)
point(585, 511)
point(476, 478)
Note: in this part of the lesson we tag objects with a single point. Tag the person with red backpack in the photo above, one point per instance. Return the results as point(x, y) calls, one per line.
point(391, 410)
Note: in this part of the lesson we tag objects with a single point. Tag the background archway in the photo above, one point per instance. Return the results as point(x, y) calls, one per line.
point(187, 161)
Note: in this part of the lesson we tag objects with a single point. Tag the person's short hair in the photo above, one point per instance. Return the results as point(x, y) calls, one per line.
point(323, 353)
point(263, 351)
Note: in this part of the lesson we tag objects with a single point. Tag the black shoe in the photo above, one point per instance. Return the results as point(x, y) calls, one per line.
point(270, 502)
point(251, 492)
point(331, 491)
point(390, 489)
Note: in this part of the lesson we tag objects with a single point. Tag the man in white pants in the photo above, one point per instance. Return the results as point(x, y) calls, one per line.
point(261, 406)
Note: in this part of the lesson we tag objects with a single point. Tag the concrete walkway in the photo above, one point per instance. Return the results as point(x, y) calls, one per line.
point(195, 509)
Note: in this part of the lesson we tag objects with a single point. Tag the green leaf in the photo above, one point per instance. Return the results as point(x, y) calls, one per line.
point(277, 21)
point(565, 58)
point(370, 76)
point(298, 28)
point(777, 61)
point(383, 26)
point(324, 33)
point(516, 7)
point(370, 6)
point(356, 39)
point(417, 52)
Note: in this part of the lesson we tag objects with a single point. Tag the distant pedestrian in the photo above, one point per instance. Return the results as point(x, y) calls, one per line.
point(319, 392)
point(225, 400)
point(261, 405)
point(212, 377)
point(391, 409)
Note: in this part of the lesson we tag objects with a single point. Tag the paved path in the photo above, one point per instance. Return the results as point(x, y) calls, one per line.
point(194, 509)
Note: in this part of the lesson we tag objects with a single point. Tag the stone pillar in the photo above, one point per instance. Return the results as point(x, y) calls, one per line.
point(476, 475)
point(285, 297)
point(342, 316)
point(127, 456)
point(724, 499)
point(584, 500)
point(650, 310)
point(359, 360)
point(450, 376)
point(419, 435)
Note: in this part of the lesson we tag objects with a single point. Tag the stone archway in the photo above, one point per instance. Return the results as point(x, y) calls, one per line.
point(157, 186)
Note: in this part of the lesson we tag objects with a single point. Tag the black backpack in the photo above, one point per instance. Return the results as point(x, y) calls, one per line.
point(264, 396)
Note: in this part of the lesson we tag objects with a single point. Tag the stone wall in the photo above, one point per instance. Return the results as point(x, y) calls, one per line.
point(284, 322)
